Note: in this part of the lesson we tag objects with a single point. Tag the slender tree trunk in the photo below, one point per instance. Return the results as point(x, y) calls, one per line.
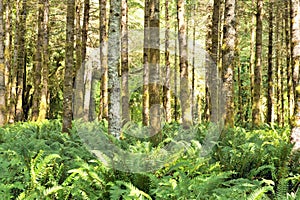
point(228, 60)
point(185, 93)
point(208, 45)
point(103, 112)
point(124, 62)
point(2, 69)
point(166, 87)
point(84, 35)
point(7, 55)
point(38, 63)
point(175, 77)
point(114, 100)
point(270, 100)
point(45, 64)
point(69, 68)
point(295, 55)
point(288, 60)
point(282, 70)
point(256, 107)
point(278, 63)
point(194, 100)
point(252, 52)
point(154, 72)
point(146, 65)
point(21, 60)
point(78, 93)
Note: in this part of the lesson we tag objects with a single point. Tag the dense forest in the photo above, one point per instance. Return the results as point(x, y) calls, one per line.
point(130, 99)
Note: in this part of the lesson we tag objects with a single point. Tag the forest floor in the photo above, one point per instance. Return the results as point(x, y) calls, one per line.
point(39, 162)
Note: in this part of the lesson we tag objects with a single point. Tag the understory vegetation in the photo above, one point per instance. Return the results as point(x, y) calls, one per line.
point(37, 161)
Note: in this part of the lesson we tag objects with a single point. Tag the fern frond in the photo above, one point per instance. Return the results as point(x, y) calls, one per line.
point(52, 190)
point(259, 193)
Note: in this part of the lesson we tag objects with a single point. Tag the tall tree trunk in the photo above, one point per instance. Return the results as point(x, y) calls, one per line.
point(166, 86)
point(146, 65)
point(208, 46)
point(154, 72)
point(124, 62)
point(282, 70)
point(114, 101)
point(270, 100)
point(21, 54)
point(185, 93)
point(84, 35)
point(228, 60)
point(69, 68)
point(2, 70)
point(175, 77)
point(103, 112)
point(194, 100)
point(252, 52)
point(38, 63)
point(256, 107)
point(295, 55)
point(7, 55)
point(277, 64)
point(79, 69)
point(45, 69)
point(288, 60)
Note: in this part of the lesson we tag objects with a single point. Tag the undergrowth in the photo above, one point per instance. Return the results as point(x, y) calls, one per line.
point(37, 161)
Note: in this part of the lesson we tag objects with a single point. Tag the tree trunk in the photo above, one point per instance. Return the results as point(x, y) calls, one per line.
point(69, 69)
point(288, 60)
point(166, 86)
point(175, 77)
point(45, 65)
point(7, 55)
point(146, 65)
point(84, 35)
point(270, 99)
point(154, 72)
point(37, 68)
point(79, 68)
point(185, 93)
point(252, 54)
point(256, 107)
point(295, 55)
point(114, 101)
point(103, 111)
point(2, 70)
point(228, 60)
point(124, 62)
point(20, 60)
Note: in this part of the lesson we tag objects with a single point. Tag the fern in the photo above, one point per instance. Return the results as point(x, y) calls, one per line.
point(259, 193)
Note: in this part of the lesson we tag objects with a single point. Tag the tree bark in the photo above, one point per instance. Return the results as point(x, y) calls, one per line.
point(154, 72)
point(166, 86)
point(124, 63)
point(228, 60)
point(20, 60)
point(69, 68)
point(103, 111)
point(295, 55)
point(38, 63)
point(270, 98)
point(45, 64)
point(185, 93)
point(114, 101)
point(256, 107)
point(2, 70)
point(146, 65)
point(8, 64)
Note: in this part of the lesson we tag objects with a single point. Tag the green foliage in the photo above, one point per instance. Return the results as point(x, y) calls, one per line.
point(39, 162)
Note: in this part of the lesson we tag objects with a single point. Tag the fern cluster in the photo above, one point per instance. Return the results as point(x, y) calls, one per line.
point(37, 161)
